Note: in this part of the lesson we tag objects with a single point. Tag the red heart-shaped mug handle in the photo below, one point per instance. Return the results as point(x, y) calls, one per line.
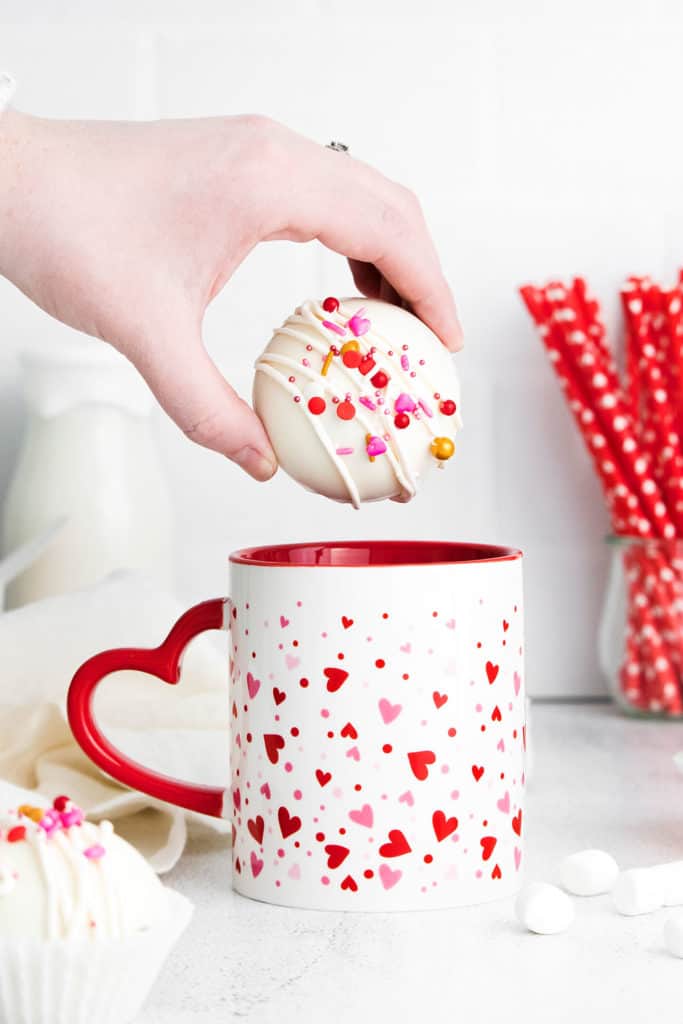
point(163, 662)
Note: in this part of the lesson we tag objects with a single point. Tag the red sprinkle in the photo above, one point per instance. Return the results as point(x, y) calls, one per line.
point(447, 407)
point(316, 405)
point(380, 380)
point(346, 411)
point(366, 365)
point(330, 304)
point(402, 420)
point(61, 803)
point(352, 359)
point(16, 834)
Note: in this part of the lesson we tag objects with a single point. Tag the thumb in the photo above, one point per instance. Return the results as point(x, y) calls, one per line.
point(197, 397)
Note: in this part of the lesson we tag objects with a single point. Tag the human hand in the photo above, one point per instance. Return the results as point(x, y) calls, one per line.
point(127, 231)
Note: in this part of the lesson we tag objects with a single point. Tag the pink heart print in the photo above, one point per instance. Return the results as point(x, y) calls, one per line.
point(407, 798)
point(388, 876)
point(389, 711)
point(291, 661)
point(504, 803)
point(407, 647)
point(354, 752)
point(363, 817)
point(253, 685)
point(517, 682)
point(283, 621)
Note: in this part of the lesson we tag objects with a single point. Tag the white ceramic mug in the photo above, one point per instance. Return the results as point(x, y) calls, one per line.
point(378, 734)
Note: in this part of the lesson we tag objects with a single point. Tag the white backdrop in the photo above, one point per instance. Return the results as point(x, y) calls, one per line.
point(543, 139)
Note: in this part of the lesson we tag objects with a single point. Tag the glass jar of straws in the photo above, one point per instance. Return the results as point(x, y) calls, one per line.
point(641, 634)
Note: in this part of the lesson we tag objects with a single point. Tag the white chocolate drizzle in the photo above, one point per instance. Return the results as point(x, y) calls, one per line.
point(374, 422)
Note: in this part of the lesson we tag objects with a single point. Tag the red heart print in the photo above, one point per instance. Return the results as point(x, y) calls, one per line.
point(336, 677)
point(234, 611)
point(506, 626)
point(346, 622)
point(274, 745)
point(238, 866)
point(336, 855)
point(253, 685)
point(397, 846)
point(488, 845)
point(497, 873)
point(322, 777)
point(496, 715)
point(284, 622)
point(289, 823)
point(517, 823)
point(439, 699)
point(234, 710)
point(265, 789)
point(349, 883)
point(443, 826)
point(278, 696)
point(524, 736)
point(420, 761)
point(237, 799)
point(256, 826)
point(349, 732)
point(256, 865)
point(477, 771)
point(492, 671)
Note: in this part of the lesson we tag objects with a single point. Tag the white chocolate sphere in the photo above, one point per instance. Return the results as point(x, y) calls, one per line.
point(336, 430)
point(80, 881)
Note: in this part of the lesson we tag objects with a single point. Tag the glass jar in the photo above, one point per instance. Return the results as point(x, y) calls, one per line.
point(641, 634)
point(89, 457)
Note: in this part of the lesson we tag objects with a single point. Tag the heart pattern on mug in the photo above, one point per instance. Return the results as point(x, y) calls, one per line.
point(371, 829)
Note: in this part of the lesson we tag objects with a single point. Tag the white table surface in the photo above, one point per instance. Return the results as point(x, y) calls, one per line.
point(596, 780)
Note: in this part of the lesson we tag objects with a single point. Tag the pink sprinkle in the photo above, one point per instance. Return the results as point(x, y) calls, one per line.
point(405, 363)
point(334, 327)
point(50, 821)
point(73, 817)
point(94, 852)
point(376, 446)
point(368, 403)
point(425, 408)
point(344, 451)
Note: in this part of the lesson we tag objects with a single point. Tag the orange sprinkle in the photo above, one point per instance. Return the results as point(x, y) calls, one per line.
point(34, 813)
point(326, 365)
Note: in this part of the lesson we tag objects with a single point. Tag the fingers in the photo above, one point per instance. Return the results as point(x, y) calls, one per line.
point(356, 211)
point(198, 398)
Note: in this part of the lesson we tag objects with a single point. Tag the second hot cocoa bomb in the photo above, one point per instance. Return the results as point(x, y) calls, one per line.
point(359, 399)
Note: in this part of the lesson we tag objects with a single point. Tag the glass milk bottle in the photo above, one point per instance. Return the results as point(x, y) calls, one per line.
point(89, 454)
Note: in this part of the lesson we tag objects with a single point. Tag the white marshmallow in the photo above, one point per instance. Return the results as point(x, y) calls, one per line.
point(673, 935)
point(544, 909)
point(643, 890)
point(588, 873)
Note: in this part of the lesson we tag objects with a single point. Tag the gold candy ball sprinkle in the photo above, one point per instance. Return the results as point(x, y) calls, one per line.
point(350, 346)
point(442, 448)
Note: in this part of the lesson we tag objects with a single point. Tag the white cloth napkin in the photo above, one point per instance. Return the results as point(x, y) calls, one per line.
point(179, 730)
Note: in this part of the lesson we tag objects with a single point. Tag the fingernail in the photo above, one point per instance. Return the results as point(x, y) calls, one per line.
point(256, 463)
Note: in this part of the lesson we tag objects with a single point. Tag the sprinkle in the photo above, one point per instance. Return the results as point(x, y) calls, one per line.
point(405, 363)
point(402, 420)
point(358, 325)
point(351, 359)
point(366, 365)
point(297, 398)
point(334, 327)
point(330, 304)
point(34, 813)
point(73, 817)
point(94, 852)
point(344, 451)
point(61, 803)
point(346, 411)
point(447, 407)
point(326, 365)
point(350, 346)
point(425, 408)
point(16, 834)
point(374, 446)
point(380, 380)
point(305, 362)
point(50, 821)
point(404, 403)
point(316, 405)
point(368, 403)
